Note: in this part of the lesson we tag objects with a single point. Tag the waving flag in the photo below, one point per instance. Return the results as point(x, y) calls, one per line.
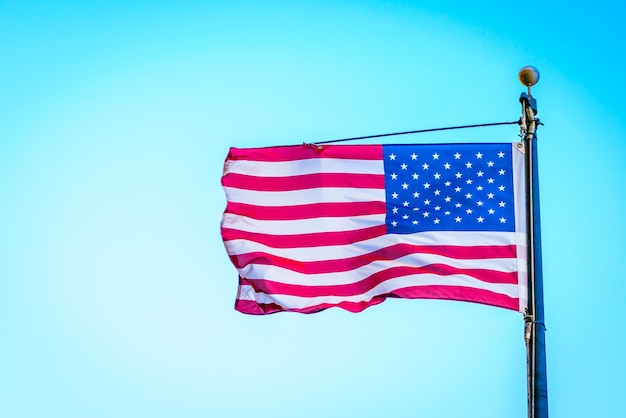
point(310, 227)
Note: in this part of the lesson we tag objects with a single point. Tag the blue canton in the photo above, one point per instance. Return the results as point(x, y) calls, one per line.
point(449, 187)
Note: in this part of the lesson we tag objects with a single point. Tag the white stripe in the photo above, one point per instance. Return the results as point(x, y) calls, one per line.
point(301, 167)
point(283, 275)
point(304, 197)
point(299, 302)
point(246, 292)
point(243, 223)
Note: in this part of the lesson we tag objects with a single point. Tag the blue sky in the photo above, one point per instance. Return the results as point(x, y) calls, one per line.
point(116, 294)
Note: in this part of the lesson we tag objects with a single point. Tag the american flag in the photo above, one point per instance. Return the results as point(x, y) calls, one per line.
point(312, 227)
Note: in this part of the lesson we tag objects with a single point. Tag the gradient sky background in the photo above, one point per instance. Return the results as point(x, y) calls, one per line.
point(116, 293)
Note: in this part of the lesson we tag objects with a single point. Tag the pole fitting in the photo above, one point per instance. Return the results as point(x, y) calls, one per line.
point(316, 147)
point(529, 320)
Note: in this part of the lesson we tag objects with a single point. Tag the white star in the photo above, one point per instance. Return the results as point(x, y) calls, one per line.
point(469, 211)
point(502, 220)
point(437, 207)
point(436, 221)
point(394, 195)
point(500, 154)
point(437, 192)
point(479, 155)
point(394, 176)
point(458, 175)
point(415, 222)
point(458, 219)
point(416, 194)
point(446, 212)
point(479, 203)
point(405, 203)
point(437, 176)
point(425, 166)
point(479, 188)
point(491, 211)
point(446, 166)
point(490, 164)
point(405, 217)
point(426, 214)
point(427, 202)
point(468, 196)
point(416, 209)
point(415, 176)
point(457, 189)
point(502, 204)
point(405, 186)
point(490, 195)
point(458, 205)
point(501, 172)
point(414, 156)
point(426, 185)
point(501, 188)
point(394, 223)
point(448, 199)
point(468, 164)
point(394, 210)
point(435, 156)
point(480, 219)
point(392, 157)
point(403, 166)
point(447, 183)
point(469, 181)
point(457, 156)
point(490, 181)
point(480, 174)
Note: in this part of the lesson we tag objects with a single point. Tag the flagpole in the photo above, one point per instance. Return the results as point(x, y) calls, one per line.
point(534, 330)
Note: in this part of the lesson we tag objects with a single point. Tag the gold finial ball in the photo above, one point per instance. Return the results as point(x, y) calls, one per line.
point(528, 76)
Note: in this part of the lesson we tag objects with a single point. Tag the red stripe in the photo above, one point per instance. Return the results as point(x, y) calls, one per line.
point(315, 210)
point(367, 284)
point(253, 308)
point(388, 253)
point(305, 181)
point(302, 152)
point(457, 293)
point(317, 239)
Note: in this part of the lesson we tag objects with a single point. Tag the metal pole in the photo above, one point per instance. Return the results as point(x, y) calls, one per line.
point(534, 330)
